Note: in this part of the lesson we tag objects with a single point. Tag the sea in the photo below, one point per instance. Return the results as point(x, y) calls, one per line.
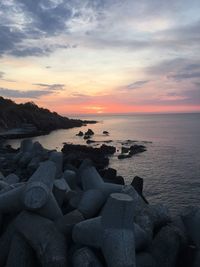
point(171, 165)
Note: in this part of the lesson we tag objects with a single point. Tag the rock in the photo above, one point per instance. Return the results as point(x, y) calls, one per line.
point(137, 183)
point(80, 133)
point(106, 132)
point(124, 149)
point(135, 149)
point(75, 154)
point(86, 137)
point(124, 156)
point(89, 132)
point(108, 150)
point(110, 174)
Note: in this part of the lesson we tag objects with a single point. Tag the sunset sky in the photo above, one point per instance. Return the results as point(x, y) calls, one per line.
point(101, 56)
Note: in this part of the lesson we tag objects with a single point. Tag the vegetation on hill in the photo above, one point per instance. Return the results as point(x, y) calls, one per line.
point(14, 115)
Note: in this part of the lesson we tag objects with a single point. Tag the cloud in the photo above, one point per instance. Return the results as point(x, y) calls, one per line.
point(134, 85)
point(176, 69)
point(51, 87)
point(30, 28)
point(23, 94)
point(2, 74)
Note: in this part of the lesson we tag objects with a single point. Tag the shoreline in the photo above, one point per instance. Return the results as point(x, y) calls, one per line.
point(85, 208)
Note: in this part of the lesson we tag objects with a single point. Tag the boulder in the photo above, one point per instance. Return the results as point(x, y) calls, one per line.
point(80, 133)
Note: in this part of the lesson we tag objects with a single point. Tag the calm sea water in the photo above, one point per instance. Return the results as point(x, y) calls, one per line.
point(170, 166)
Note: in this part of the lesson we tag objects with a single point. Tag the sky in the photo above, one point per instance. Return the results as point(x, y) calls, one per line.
point(101, 56)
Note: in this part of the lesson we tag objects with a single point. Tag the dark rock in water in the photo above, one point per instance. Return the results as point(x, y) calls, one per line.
point(86, 137)
point(80, 133)
point(106, 132)
point(135, 149)
point(137, 183)
point(107, 150)
point(110, 173)
point(125, 149)
point(89, 132)
point(75, 154)
point(129, 152)
point(124, 156)
point(90, 141)
point(93, 141)
point(110, 176)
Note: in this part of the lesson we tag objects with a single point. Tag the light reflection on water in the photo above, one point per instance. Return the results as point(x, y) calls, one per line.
point(170, 166)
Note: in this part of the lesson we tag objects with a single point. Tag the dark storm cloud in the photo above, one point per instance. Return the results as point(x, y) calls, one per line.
point(23, 94)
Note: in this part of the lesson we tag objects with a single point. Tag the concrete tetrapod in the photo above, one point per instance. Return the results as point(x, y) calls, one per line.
point(91, 202)
point(71, 178)
point(43, 236)
point(40, 186)
point(90, 179)
point(191, 221)
point(66, 223)
point(12, 179)
point(165, 247)
point(20, 254)
point(10, 201)
point(5, 242)
point(57, 158)
point(84, 257)
point(89, 233)
point(59, 190)
point(118, 241)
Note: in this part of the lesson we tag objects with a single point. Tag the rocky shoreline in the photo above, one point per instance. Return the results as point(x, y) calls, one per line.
point(56, 210)
point(29, 120)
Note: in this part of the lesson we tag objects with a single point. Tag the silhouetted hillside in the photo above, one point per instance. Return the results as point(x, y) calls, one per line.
point(29, 115)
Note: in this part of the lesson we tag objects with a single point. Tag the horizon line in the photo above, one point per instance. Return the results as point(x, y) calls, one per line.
point(129, 113)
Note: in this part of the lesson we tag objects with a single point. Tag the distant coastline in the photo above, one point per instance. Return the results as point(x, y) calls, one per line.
point(29, 120)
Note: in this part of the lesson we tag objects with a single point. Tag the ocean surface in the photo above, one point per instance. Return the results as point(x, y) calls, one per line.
point(170, 166)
